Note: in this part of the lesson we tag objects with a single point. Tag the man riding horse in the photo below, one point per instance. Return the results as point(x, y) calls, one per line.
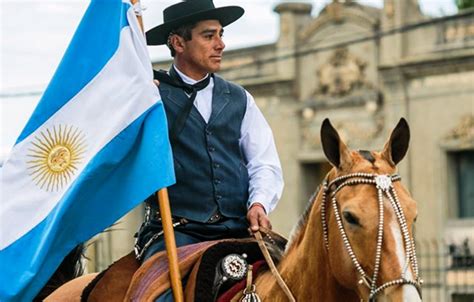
point(354, 242)
point(227, 168)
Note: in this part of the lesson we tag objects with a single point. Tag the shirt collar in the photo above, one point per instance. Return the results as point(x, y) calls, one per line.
point(187, 79)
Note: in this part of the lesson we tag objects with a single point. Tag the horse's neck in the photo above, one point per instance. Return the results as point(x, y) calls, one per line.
point(305, 268)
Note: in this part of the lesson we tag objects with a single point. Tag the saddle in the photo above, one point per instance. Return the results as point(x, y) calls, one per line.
point(126, 280)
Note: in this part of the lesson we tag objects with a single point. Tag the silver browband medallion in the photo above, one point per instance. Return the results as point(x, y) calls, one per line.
point(383, 182)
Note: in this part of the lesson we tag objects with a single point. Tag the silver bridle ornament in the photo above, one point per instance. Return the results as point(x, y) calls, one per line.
point(384, 186)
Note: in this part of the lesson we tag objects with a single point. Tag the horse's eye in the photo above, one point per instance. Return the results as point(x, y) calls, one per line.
point(350, 218)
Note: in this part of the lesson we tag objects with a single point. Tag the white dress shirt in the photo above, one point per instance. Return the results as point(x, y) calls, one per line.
point(257, 145)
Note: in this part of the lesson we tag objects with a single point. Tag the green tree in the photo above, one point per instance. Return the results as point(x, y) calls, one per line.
point(463, 4)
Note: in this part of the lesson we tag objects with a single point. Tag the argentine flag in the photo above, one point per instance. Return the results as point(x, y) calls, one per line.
point(95, 147)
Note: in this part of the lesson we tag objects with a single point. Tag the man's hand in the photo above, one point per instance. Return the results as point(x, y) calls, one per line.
point(157, 83)
point(257, 217)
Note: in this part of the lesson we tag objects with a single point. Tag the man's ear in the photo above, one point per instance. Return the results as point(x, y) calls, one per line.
point(178, 43)
point(396, 147)
point(334, 148)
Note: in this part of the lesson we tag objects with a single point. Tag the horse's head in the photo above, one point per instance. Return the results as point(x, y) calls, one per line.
point(367, 217)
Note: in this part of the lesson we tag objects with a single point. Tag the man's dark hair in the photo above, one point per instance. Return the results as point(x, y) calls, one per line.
point(184, 31)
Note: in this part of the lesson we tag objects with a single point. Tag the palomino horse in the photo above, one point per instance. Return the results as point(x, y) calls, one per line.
point(354, 242)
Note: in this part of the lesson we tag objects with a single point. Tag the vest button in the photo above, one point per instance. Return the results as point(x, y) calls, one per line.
point(216, 165)
point(217, 181)
point(218, 197)
point(208, 132)
point(212, 149)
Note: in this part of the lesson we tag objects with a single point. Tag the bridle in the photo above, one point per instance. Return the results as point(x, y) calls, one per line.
point(384, 186)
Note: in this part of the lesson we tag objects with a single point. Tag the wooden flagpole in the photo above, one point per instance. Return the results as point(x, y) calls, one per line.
point(167, 223)
point(170, 242)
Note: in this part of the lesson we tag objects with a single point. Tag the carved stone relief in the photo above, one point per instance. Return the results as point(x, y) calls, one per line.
point(463, 133)
point(342, 74)
point(343, 94)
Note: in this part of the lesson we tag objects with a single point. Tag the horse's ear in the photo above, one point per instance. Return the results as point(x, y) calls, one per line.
point(334, 148)
point(397, 145)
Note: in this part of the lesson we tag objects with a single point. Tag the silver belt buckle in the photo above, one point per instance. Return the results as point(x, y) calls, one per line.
point(148, 213)
point(215, 217)
point(151, 214)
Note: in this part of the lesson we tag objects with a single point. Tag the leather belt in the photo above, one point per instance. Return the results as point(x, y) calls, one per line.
point(154, 214)
point(216, 217)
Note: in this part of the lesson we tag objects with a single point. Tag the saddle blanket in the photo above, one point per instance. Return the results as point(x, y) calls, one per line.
point(152, 278)
point(126, 280)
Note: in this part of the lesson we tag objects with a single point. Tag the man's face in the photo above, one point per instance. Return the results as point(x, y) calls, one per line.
point(203, 53)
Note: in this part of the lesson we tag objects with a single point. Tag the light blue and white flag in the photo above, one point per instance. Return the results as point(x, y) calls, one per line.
point(95, 146)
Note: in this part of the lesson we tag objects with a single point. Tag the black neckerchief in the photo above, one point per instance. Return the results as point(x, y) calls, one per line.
point(175, 80)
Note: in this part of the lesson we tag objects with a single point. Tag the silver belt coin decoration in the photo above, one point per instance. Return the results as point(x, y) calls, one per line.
point(234, 267)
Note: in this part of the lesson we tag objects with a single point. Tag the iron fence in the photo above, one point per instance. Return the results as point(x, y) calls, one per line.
point(447, 269)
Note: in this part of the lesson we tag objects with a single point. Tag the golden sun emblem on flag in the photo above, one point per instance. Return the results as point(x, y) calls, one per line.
point(55, 155)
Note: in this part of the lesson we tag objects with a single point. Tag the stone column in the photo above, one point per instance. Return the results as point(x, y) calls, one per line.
point(292, 17)
point(393, 48)
point(397, 14)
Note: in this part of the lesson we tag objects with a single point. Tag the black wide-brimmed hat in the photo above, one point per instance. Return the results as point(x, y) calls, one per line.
point(190, 11)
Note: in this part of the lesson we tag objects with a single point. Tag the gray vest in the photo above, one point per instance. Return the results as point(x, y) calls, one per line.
point(210, 170)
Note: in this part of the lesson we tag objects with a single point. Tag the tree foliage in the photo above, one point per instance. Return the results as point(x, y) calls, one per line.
point(463, 4)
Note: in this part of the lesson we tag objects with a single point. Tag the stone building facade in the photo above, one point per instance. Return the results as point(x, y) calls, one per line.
point(364, 68)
